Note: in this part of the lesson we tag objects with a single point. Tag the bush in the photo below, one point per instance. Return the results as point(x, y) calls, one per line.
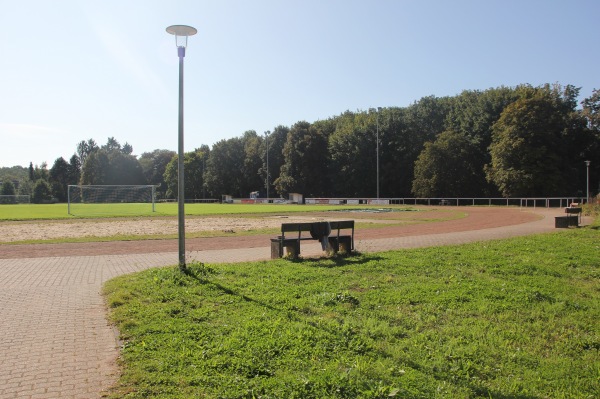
point(8, 188)
point(41, 192)
point(593, 208)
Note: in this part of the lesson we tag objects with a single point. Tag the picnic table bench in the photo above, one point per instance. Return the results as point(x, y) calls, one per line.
point(333, 236)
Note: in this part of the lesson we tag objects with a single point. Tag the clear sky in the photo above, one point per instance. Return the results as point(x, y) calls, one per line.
point(71, 70)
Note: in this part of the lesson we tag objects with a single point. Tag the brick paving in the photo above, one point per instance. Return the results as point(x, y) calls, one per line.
point(55, 341)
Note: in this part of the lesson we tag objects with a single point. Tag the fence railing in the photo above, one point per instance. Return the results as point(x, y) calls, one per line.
point(541, 202)
point(550, 202)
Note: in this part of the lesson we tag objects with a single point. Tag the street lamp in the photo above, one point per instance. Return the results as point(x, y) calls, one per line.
point(378, 110)
point(267, 178)
point(181, 33)
point(587, 185)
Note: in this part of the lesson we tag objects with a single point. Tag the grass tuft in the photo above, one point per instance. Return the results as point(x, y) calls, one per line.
point(515, 318)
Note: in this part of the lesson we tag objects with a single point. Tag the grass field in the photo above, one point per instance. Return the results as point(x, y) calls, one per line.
point(79, 211)
point(506, 319)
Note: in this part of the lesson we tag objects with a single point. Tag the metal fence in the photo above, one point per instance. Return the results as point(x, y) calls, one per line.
point(553, 202)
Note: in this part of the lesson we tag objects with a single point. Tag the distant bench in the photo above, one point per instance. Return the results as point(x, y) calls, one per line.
point(571, 220)
point(328, 233)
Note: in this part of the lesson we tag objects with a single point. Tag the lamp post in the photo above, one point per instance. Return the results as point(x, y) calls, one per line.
point(181, 33)
point(267, 178)
point(587, 182)
point(378, 110)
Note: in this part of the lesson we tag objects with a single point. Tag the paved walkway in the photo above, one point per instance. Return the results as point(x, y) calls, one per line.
point(55, 341)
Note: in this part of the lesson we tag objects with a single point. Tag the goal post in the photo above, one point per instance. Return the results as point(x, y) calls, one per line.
point(98, 198)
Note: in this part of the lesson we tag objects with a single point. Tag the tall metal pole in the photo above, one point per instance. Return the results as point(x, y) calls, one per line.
point(267, 179)
point(181, 33)
point(587, 184)
point(378, 109)
point(180, 173)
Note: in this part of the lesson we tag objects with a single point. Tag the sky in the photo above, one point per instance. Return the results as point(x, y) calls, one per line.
point(71, 70)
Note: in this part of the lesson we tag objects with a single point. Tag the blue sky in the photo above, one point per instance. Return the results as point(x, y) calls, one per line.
point(73, 70)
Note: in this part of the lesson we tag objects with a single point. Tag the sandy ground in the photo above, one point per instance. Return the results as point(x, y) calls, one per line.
point(47, 230)
point(449, 220)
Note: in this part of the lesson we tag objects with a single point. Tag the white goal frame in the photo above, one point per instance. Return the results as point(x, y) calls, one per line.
point(108, 188)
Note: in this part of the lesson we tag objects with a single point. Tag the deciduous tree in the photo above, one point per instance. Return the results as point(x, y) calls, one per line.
point(306, 166)
point(59, 179)
point(532, 143)
point(8, 188)
point(448, 167)
point(154, 165)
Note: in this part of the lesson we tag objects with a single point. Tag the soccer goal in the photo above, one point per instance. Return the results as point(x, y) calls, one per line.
point(112, 200)
point(14, 199)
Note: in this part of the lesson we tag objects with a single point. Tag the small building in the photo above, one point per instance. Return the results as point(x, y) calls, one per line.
point(227, 199)
point(296, 198)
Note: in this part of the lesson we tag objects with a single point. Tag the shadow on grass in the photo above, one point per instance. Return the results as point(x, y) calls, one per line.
point(337, 260)
point(201, 273)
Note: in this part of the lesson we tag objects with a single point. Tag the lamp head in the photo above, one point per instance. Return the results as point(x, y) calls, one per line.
point(587, 163)
point(181, 33)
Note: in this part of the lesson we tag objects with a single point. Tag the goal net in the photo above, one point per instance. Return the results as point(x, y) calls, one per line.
point(14, 199)
point(112, 200)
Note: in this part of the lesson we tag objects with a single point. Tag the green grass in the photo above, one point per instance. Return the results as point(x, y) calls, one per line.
point(505, 319)
point(59, 211)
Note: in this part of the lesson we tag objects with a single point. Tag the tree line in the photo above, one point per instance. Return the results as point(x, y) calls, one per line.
point(518, 141)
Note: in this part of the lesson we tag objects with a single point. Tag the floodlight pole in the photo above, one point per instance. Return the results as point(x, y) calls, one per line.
point(587, 183)
point(181, 31)
point(267, 179)
point(378, 110)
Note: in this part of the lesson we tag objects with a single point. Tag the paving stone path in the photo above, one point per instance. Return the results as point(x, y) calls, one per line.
point(55, 341)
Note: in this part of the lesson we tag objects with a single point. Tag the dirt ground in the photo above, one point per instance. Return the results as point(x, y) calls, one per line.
point(383, 225)
point(46, 230)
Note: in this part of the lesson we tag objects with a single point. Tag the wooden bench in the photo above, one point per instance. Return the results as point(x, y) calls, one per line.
point(342, 242)
point(320, 231)
point(574, 214)
point(571, 220)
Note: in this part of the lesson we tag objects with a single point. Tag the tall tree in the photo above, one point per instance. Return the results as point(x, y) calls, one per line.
point(74, 170)
point(224, 169)
point(59, 179)
point(405, 132)
point(85, 148)
point(591, 110)
point(531, 145)
point(111, 145)
point(154, 165)
point(251, 180)
point(473, 113)
point(127, 149)
point(352, 148)
point(95, 168)
point(275, 143)
point(8, 188)
point(305, 169)
point(42, 192)
point(194, 163)
point(591, 113)
point(123, 169)
point(446, 168)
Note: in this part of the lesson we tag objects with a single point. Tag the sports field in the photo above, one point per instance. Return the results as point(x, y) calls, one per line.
point(26, 224)
point(86, 211)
